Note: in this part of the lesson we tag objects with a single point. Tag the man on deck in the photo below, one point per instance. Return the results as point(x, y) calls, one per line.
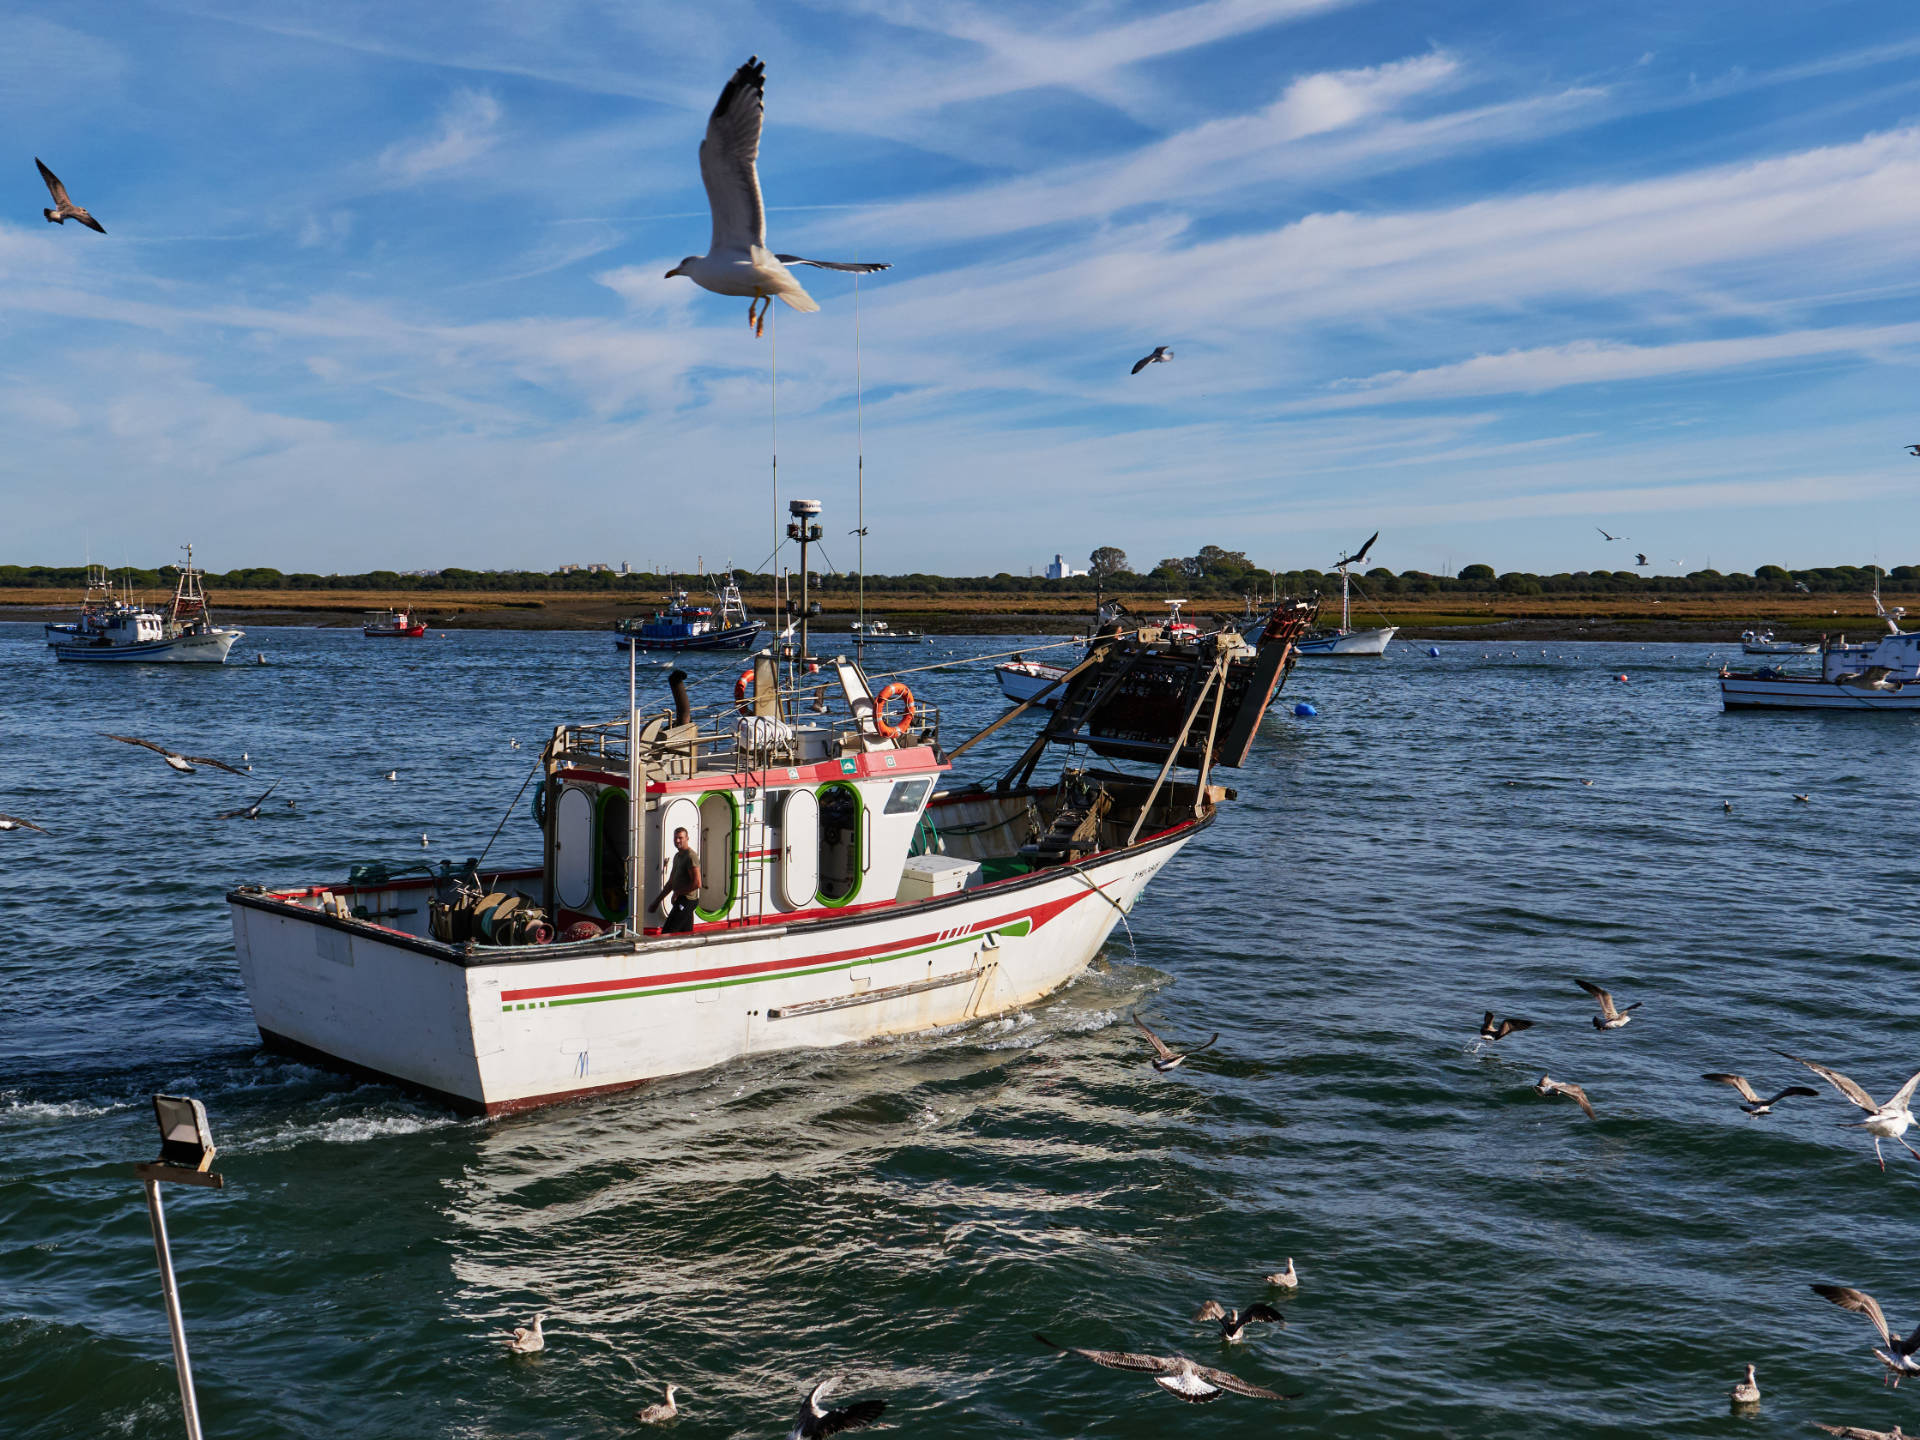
point(683, 884)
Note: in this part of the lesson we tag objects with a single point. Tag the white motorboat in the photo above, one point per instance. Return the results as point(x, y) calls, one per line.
point(1881, 674)
point(878, 632)
point(1346, 640)
point(846, 889)
point(1035, 680)
point(1762, 642)
point(125, 630)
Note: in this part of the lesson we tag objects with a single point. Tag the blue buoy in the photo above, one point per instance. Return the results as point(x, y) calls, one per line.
point(1434, 651)
point(1303, 710)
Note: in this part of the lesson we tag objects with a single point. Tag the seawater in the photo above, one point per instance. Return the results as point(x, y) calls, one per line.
point(1475, 1261)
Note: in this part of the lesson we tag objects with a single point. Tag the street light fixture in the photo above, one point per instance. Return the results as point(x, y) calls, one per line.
point(186, 1152)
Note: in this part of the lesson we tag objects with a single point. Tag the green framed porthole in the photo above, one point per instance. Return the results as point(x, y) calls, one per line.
point(840, 805)
point(719, 855)
point(610, 853)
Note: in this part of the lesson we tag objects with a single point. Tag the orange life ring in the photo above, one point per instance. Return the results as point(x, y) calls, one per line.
point(740, 692)
point(894, 691)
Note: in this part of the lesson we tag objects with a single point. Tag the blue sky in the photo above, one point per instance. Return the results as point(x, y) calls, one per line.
point(383, 284)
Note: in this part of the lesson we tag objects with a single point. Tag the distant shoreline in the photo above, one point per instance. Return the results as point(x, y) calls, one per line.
point(1709, 620)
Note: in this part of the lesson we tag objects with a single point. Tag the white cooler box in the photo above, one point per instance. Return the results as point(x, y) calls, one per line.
point(925, 876)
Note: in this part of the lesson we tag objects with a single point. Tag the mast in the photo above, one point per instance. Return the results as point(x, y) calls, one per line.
point(1346, 600)
point(803, 528)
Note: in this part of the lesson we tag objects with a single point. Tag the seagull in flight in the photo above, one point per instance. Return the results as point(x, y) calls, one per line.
point(183, 763)
point(1164, 1058)
point(1752, 1103)
point(1175, 1374)
point(1898, 1356)
point(1888, 1121)
point(1161, 354)
point(1609, 1018)
point(1605, 536)
point(1358, 555)
point(14, 822)
point(1639, 558)
point(249, 812)
point(1491, 1032)
point(815, 1420)
point(1233, 1323)
point(1550, 1086)
point(737, 261)
point(1913, 449)
point(63, 208)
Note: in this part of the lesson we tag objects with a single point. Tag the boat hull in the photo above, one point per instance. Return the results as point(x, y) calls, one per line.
point(207, 649)
point(412, 632)
point(1350, 642)
point(499, 1030)
point(1018, 684)
point(734, 637)
point(1807, 692)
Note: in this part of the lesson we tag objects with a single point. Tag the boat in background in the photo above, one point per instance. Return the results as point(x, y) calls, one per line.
point(1347, 640)
point(1762, 642)
point(878, 632)
point(400, 624)
point(1035, 680)
point(97, 605)
point(1882, 674)
point(127, 630)
point(684, 625)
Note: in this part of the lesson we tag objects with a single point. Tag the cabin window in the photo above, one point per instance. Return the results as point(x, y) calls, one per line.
point(906, 797)
point(610, 854)
point(840, 859)
point(719, 861)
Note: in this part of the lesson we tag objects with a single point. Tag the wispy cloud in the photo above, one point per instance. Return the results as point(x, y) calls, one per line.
point(468, 127)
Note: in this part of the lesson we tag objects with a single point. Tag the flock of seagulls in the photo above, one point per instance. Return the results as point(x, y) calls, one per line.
point(1899, 1357)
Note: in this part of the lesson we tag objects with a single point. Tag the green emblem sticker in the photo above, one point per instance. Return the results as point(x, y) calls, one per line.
point(849, 766)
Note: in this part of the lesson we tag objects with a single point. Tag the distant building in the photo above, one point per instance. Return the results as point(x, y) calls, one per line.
point(1060, 570)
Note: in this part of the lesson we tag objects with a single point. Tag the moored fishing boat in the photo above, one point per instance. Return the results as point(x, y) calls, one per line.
point(129, 631)
point(685, 625)
point(1881, 674)
point(1763, 642)
point(846, 889)
point(98, 603)
point(401, 624)
point(878, 632)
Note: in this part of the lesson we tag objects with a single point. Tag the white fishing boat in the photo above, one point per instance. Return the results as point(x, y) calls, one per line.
point(1880, 674)
point(1346, 640)
point(848, 889)
point(126, 630)
point(1762, 642)
point(98, 603)
point(1022, 679)
point(878, 632)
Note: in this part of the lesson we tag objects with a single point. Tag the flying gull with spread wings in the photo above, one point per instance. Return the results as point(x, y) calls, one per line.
point(737, 261)
point(1175, 1374)
point(183, 763)
point(1165, 1057)
point(63, 208)
point(1548, 1086)
point(1161, 354)
point(816, 1421)
point(1898, 1357)
point(249, 812)
point(14, 822)
point(1883, 1122)
point(1752, 1103)
point(1358, 555)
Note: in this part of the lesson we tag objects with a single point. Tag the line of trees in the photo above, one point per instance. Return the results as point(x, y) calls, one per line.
point(1212, 572)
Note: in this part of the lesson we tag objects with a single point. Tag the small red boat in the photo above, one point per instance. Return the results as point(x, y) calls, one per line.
point(393, 624)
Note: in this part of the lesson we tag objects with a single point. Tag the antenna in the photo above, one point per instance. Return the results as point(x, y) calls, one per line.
point(860, 474)
point(773, 404)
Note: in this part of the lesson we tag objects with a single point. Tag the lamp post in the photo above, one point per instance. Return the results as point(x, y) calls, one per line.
point(186, 1152)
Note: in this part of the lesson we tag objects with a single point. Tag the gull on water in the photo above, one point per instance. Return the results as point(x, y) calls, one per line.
point(1287, 1279)
point(1883, 1122)
point(1804, 799)
point(1161, 354)
point(1747, 1392)
point(183, 763)
point(1609, 1017)
point(249, 812)
point(1175, 1374)
point(14, 822)
point(1898, 1357)
point(737, 261)
point(393, 774)
point(1491, 1032)
point(1233, 1323)
point(528, 1339)
point(63, 208)
point(1550, 1086)
point(816, 1420)
point(662, 1411)
point(1164, 1058)
point(423, 841)
point(1752, 1103)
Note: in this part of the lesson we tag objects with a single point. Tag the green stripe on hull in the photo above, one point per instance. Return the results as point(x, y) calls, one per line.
point(1014, 929)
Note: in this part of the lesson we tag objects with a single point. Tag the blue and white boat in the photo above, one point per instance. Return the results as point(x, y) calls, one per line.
point(684, 625)
point(111, 631)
